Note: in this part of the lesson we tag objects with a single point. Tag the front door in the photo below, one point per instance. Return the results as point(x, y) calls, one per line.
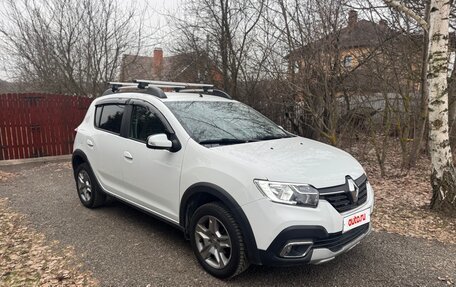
point(151, 175)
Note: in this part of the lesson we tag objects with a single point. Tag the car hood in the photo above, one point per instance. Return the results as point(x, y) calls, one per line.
point(296, 159)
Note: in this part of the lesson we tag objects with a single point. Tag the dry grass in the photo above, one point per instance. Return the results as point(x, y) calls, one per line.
point(4, 176)
point(403, 198)
point(28, 259)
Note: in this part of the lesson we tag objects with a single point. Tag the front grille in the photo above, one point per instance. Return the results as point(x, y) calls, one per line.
point(340, 198)
point(336, 241)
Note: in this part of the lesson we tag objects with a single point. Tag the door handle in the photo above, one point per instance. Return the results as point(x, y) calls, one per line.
point(128, 155)
point(89, 143)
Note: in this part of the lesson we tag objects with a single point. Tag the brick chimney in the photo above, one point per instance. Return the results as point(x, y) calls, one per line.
point(157, 63)
point(352, 18)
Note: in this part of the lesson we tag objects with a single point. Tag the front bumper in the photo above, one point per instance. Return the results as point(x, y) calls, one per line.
point(275, 225)
point(325, 246)
point(322, 255)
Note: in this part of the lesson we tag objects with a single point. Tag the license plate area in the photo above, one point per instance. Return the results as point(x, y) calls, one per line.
point(356, 219)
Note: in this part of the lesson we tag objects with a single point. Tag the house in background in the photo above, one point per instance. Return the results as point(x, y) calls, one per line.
point(359, 37)
point(345, 52)
point(186, 67)
point(365, 63)
point(363, 58)
point(351, 73)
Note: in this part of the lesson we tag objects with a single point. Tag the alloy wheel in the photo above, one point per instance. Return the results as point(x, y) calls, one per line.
point(84, 185)
point(213, 241)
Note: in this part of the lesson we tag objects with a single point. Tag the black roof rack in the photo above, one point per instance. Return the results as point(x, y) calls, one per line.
point(212, 92)
point(155, 88)
point(118, 87)
point(177, 86)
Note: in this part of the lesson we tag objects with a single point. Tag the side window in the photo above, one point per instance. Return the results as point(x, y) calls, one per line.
point(145, 123)
point(109, 117)
point(98, 111)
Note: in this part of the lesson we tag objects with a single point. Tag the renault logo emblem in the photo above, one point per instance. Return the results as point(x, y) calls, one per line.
point(353, 189)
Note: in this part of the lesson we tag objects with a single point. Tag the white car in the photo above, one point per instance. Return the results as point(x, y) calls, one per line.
point(242, 189)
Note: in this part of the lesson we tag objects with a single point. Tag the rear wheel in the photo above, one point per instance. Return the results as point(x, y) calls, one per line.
point(217, 241)
point(90, 194)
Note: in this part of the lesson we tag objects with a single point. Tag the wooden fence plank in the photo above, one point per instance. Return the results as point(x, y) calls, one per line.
point(2, 123)
point(8, 127)
point(23, 124)
point(14, 126)
point(20, 145)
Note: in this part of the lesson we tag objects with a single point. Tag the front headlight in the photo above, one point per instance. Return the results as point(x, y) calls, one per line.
point(289, 193)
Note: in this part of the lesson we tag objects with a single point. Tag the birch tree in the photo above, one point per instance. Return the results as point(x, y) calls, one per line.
point(443, 176)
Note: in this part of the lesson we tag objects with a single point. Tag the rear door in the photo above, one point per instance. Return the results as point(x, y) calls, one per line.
point(151, 175)
point(107, 145)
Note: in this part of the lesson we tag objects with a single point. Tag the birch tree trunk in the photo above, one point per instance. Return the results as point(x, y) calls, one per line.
point(443, 176)
point(443, 172)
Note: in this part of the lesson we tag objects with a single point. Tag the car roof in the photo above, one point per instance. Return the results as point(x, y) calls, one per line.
point(170, 97)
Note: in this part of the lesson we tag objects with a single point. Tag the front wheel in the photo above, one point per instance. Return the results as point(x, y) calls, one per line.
point(217, 241)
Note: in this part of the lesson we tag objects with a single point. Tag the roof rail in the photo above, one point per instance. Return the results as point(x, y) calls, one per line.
point(176, 85)
point(155, 88)
point(117, 87)
point(212, 92)
point(159, 84)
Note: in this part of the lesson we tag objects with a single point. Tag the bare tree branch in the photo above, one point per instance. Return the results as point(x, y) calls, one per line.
point(409, 12)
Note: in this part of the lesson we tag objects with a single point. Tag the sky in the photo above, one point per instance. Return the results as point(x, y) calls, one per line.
point(155, 22)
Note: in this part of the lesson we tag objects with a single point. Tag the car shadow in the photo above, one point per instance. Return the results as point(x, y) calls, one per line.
point(146, 221)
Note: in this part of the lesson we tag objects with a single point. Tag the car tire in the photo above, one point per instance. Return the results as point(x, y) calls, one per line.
point(89, 192)
point(217, 241)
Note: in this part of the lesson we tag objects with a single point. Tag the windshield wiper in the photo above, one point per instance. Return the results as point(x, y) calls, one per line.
point(265, 138)
point(224, 141)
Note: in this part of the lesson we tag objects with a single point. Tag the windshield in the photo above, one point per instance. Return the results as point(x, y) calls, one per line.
point(212, 122)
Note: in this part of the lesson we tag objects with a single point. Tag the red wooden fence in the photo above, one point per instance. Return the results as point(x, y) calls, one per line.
point(35, 125)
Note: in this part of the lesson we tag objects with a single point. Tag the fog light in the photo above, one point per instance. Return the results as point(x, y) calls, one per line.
point(296, 249)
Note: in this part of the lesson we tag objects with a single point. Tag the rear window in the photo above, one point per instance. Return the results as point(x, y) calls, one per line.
point(109, 117)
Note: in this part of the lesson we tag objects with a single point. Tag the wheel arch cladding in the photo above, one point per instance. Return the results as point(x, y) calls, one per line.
point(204, 192)
point(78, 158)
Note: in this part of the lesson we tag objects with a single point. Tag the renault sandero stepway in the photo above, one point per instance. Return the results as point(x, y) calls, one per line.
point(242, 189)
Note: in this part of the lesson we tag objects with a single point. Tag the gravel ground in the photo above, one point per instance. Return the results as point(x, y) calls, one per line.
point(124, 247)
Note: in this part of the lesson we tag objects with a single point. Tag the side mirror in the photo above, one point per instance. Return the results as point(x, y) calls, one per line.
point(159, 141)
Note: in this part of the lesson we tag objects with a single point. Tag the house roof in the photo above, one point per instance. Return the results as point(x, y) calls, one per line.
point(363, 33)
